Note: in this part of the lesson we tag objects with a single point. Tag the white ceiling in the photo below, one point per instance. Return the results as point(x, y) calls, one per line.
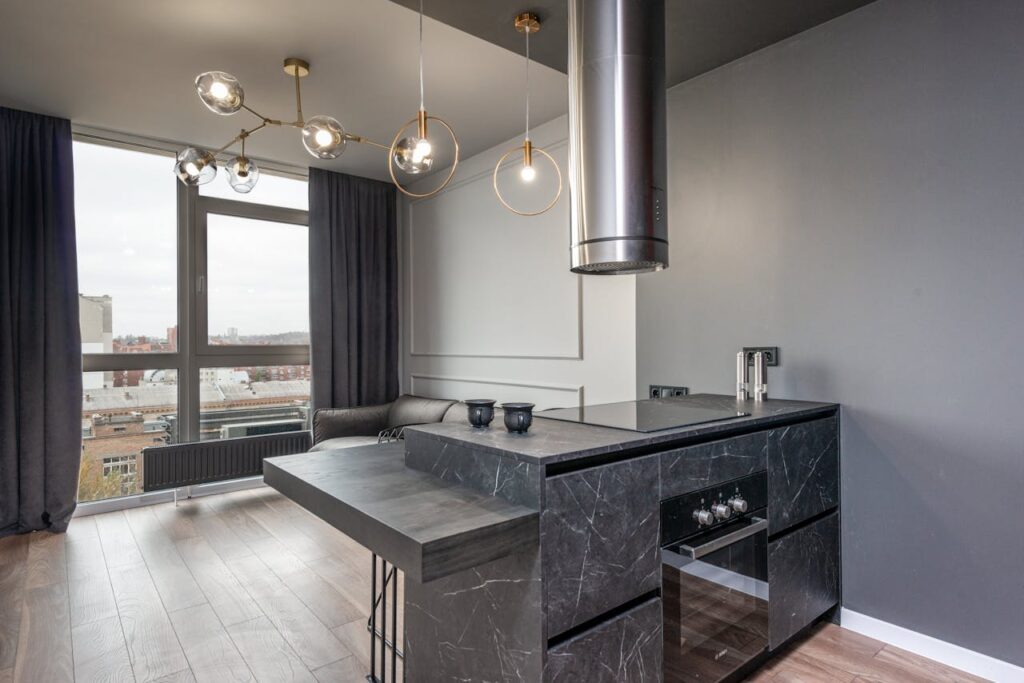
point(128, 66)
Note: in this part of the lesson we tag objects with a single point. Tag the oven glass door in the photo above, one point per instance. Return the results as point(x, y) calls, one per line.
point(715, 598)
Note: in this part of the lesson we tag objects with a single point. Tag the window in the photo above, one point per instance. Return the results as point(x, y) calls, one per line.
point(210, 287)
point(248, 401)
point(123, 411)
point(127, 251)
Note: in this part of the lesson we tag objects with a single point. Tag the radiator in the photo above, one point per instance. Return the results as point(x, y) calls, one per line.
point(188, 464)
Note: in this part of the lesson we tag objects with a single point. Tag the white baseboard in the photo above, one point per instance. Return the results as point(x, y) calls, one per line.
point(933, 648)
point(98, 507)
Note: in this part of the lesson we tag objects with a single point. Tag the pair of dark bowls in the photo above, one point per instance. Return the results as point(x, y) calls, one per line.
point(518, 416)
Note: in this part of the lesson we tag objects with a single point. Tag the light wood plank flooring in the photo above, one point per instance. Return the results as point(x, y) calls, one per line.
point(247, 586)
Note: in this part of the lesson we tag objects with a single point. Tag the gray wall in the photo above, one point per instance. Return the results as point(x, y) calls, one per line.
point(855, 195)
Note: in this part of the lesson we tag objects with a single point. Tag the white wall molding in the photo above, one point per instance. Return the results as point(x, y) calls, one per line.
point(938, 650)
point(575, 389)
point(480, 178)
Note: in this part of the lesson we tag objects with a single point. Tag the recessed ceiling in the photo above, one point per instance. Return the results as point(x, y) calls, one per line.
point(129, 67)
point(700, 34)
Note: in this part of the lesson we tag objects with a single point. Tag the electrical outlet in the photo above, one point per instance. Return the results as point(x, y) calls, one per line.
point(662, 391)
point(772, 353)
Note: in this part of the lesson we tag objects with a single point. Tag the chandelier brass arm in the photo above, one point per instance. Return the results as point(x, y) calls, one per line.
point(323, 136)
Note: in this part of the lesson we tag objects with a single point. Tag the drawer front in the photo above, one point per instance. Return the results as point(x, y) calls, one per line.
point(696, 467)
point(626, 649)
point(599, 540)
point(803, 472)
point(803, 578)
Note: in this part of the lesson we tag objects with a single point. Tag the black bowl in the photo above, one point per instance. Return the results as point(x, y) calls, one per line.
point(481, 411)
point(518, 417)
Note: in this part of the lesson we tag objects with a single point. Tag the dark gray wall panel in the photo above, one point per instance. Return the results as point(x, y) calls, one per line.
point(487, 621)
point(803, 472)
point(599, 540)
point(803, 577)
point(627, 649)
point(853, 195)
point(696, 467)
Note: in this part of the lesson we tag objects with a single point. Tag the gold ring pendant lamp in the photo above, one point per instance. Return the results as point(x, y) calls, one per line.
point(414, 154)
point(322, 136)
point(526, 24)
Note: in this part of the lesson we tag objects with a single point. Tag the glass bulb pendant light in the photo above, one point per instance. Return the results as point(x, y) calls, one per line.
point(242, 172)
point(527, 23)
point(195, 166)
point(324, 137)
point(220, 92)
point(415, 154)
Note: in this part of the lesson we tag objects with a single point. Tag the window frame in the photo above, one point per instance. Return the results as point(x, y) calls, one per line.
point(193, 351)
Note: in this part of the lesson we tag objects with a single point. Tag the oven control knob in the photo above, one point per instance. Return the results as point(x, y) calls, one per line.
point(738, 504)
point(704, 517)
point(721, 510)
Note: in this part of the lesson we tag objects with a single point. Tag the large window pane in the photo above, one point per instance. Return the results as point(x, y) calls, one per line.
point(125, 218)
point(123, 411)
point(248, 401)
point(270, 189)
point(258, 274)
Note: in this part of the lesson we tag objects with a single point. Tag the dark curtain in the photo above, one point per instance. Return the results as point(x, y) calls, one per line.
point(40, 347)
point(353, 290)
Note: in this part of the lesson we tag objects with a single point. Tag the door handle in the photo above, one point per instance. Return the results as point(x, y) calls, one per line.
point(756, 525)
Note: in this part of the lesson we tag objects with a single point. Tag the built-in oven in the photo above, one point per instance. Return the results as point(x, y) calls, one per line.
point(715, 581)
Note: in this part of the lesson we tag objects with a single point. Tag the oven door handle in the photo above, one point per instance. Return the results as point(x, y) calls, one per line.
point(756, 525)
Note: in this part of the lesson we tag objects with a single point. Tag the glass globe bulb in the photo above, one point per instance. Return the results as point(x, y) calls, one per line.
point(220, 92)
point(528, 173)
point(324, 137)
point(195, 166)
point(412, 155)
point(242, 174)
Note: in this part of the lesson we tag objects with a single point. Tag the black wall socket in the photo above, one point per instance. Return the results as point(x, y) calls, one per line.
point(662, 391)
point(772, 353)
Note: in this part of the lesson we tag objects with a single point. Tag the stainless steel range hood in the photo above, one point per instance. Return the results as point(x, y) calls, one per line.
point(617, 165)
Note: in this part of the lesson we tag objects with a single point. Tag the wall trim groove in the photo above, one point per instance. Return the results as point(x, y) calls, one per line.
point(575, 388)
point(939, 650)
point(410, 228)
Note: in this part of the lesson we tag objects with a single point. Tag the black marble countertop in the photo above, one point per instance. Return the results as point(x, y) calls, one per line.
point(426, 526)
point(553, 441)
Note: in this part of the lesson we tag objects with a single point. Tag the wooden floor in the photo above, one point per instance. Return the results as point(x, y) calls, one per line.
point(247, 586)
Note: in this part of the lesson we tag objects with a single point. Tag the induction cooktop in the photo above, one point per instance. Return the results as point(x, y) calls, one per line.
point(651, 415)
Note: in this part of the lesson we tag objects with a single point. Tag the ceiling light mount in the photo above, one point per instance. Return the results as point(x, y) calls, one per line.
point(293, 66)
point(527, 22)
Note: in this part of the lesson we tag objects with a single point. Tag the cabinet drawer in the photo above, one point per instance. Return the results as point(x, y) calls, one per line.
point(803, 472)
point(599, 540)
point(696, 467)
point(626, 649)
point(803, 578)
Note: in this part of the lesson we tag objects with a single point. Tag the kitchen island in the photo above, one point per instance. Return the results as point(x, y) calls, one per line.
point(539, 556)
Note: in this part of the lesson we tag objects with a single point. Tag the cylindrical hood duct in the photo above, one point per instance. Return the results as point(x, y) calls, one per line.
point(617, 148)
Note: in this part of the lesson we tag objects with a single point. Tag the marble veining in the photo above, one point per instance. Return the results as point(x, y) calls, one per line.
point(696, 467)
point(803, 572)
point(599, 540)
point(803, 472)
point(552, 441)
point(517, 481)
point(627, 649)
point(482, 624)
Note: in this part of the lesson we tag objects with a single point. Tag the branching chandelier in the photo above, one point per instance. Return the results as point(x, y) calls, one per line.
point(325, 138)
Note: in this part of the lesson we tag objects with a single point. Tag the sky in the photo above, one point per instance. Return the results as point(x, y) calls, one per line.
point(125, 215)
